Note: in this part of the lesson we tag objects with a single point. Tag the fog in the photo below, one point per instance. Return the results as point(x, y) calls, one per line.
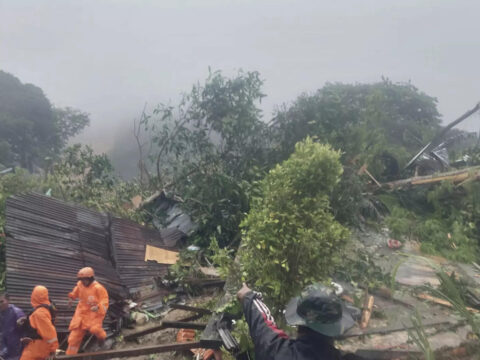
point(110, 57)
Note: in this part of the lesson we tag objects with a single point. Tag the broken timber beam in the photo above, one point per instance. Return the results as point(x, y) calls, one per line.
point(183, 325)
point(165, 325)
point(144, 350)
point(443, 302)
point(367, 310)
point(456, 177)
point(191, 308)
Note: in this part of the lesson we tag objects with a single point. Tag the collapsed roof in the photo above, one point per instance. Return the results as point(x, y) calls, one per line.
point(48, 241)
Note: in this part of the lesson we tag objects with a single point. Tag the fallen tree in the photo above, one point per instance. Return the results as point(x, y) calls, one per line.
point(457, 177)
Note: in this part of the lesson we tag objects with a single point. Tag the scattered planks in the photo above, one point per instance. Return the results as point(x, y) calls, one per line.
point(437, 321)
point(442, 302)
point(200, 312)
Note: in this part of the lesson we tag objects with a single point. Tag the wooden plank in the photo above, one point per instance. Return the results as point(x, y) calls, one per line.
point(144, 350)
point(191, 308)
point(167, 324)
point(367, 310)
point(143, 332)
point(183, 325)
point(160, 255)
point(443, 302)
point(454, 176)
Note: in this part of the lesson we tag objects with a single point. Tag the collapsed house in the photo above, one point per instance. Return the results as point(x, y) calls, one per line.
point(48, 241)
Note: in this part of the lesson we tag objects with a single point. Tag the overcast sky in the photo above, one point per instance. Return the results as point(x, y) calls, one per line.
point(110, 57)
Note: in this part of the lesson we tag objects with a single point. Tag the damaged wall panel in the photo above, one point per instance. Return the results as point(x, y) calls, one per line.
point(48, 241)
point(129, 243)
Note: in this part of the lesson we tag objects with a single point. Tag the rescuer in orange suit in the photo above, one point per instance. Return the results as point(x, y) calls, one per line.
point(90, 311)
point(44, 343)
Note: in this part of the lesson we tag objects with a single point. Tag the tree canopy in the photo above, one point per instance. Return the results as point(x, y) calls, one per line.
point(381, 124)
point(31, 129)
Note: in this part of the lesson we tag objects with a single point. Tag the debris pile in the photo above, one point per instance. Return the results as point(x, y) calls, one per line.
point(48, 240)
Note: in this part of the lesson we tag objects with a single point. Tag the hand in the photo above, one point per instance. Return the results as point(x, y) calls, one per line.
point(70, 302)
point(25, 340)
point(21, 321)
point(94, 308)
point(242, 292)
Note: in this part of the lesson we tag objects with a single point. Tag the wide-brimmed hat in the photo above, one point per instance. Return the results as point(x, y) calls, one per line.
point(319, 309)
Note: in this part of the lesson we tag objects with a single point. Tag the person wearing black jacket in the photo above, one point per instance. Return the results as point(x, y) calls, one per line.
point(319, 314)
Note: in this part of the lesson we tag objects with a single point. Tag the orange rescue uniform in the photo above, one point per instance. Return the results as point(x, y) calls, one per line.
point(85, 319)
point(41, 320)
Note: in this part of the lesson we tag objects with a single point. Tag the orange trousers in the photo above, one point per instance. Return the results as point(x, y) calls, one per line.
point(76, 336)
point(36, 350)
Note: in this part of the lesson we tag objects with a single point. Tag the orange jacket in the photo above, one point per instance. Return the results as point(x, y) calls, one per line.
point(41, 320)
point(93, 295)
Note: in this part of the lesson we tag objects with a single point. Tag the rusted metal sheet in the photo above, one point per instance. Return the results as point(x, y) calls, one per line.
point(129, 241)
point(49, 240)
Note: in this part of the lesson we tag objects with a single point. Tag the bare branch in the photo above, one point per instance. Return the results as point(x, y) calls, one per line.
point(136, 133)
point(170, 138)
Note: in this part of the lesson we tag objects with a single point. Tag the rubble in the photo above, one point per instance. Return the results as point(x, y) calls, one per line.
point(387, 336)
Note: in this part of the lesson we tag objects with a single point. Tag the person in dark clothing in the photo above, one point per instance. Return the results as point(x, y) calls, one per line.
point(319, 314)
point(11, 348)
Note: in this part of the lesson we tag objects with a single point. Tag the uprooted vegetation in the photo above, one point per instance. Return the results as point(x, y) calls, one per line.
point(443, 218)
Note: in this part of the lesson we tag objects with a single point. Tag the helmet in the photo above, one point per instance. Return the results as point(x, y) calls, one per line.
point(319, 309)
point(86, 272)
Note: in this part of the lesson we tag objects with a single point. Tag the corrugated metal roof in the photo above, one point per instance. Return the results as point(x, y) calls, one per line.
point(48, 240)
point(129, 242)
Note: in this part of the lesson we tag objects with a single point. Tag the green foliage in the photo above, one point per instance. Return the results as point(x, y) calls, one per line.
point(86, 178)
point(444, 218)
point(419, 336)
point(452, 241)
point(30, 128)
point(186, 269)
point(379, 124)
point(451, 291)
point(292, 226)
point(218, 203)
point(400, 222)
point(83, 176)
point(223, 259)
point(347, 202)
point(361, 270)
point(69, 122)
point(242, 333)
point(210, 149)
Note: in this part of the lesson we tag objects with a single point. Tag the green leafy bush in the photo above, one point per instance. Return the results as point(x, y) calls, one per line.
point(400, 222)
point(454, 242)
point(290, 236)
